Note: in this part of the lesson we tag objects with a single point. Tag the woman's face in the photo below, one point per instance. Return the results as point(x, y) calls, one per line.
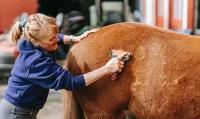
point(49, 44)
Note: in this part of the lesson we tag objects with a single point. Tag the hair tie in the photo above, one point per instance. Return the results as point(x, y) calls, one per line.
point(22, 23)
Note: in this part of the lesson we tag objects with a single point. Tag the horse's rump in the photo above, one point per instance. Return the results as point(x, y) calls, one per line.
point(160, 81)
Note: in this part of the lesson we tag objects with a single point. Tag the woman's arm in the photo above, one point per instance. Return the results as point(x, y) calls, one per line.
point(66, 39)
point(48, 74)
point(93, 76)
point(70, 39)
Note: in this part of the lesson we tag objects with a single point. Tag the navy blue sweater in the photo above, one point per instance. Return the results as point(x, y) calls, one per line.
point(34, 73)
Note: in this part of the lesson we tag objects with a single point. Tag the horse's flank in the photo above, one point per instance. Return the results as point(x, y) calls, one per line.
point(161, 81)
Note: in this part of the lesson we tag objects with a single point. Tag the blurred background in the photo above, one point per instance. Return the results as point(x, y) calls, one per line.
point(76, 16)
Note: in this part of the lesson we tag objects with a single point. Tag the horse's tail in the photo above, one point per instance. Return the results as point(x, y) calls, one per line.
point(70, 106)
point(72, 109)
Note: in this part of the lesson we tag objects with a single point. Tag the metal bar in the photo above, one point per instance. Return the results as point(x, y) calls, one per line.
point(98, 11)
point(196, 16)
point(125, 9)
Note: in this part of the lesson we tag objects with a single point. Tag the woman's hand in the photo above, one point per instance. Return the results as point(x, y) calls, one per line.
point(112, 66)
point(85, 34)
point(115, 64)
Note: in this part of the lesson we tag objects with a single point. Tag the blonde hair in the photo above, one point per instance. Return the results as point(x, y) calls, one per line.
point(35, 27)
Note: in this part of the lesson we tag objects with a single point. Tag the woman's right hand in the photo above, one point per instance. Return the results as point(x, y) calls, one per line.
point(115, 64)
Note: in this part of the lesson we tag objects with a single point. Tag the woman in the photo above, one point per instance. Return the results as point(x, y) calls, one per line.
point(36, 71)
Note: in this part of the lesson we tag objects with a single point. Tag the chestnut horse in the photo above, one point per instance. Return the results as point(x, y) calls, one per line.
point(161, 80)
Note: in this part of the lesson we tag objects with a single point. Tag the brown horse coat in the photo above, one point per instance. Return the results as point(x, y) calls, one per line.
point(161, 81)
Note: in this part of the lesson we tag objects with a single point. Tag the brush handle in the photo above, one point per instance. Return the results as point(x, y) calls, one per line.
point(114, 76)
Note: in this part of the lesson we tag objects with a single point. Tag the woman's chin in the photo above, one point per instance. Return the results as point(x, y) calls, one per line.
point(56, 47)
point(53, 49)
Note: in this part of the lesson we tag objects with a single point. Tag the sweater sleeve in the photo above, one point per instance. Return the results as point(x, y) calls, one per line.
point(48, 74)
point(61, 38)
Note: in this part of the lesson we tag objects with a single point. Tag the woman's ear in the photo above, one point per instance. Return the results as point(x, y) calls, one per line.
point(34, 42)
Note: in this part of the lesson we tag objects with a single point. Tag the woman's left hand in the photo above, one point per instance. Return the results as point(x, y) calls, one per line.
point(85, 34)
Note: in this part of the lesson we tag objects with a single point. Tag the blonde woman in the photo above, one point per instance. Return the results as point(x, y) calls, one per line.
point(36, 71)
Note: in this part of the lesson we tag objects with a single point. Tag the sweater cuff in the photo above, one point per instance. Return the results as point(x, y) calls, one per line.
point(80, 81)
point(61, 38)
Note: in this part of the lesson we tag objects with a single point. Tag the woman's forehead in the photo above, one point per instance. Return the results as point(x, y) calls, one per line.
point(54, 28)
point(52, 36)
point(53, 32)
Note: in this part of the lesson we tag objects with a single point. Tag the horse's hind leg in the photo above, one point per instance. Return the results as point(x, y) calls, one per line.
point(129, 115)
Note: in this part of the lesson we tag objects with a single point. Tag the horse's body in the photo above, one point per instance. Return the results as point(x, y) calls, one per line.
point(161, 81)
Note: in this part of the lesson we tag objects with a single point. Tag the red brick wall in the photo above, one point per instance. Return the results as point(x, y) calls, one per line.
point(10, 9)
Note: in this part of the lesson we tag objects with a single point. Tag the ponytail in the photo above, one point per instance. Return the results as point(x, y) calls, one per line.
point(15, 32)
